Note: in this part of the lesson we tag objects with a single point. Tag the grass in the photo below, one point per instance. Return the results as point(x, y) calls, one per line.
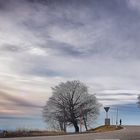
point(105, 128)
point(29, 133)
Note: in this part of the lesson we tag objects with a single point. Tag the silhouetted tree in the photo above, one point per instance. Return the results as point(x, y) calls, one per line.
point(70, 104)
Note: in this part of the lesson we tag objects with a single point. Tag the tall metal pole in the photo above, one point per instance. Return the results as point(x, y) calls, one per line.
point(107, 115)
point(117, 118)
point(112, 120)
point(107, 120)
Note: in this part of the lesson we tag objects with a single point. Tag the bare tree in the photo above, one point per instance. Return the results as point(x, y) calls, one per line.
point(53, 117)
point(70, 103)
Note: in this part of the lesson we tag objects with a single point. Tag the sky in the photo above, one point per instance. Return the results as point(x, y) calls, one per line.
point(45, 42)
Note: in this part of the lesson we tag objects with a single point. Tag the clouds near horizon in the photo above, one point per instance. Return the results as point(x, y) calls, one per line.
point(44, 42)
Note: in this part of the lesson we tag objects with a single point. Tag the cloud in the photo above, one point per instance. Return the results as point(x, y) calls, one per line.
point(17, 101)
point(11, 48)
point(134, 4)
point(46, 42)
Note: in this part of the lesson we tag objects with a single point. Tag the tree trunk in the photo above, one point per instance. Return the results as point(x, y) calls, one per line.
point(65, 130)
point(61, 126)
point(85, 123)
point(76, 127)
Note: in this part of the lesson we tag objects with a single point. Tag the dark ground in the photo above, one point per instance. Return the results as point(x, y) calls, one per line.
point(128, 133)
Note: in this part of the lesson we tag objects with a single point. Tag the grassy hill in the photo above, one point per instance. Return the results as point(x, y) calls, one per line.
point(105, 128)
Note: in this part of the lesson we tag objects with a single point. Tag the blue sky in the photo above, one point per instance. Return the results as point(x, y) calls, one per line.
point(44, 42)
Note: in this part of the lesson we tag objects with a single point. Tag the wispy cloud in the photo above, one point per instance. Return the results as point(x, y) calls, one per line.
point(16, 100)
point(45, 42)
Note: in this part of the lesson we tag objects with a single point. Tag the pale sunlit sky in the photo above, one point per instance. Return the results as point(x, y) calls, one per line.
point(44, 42)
